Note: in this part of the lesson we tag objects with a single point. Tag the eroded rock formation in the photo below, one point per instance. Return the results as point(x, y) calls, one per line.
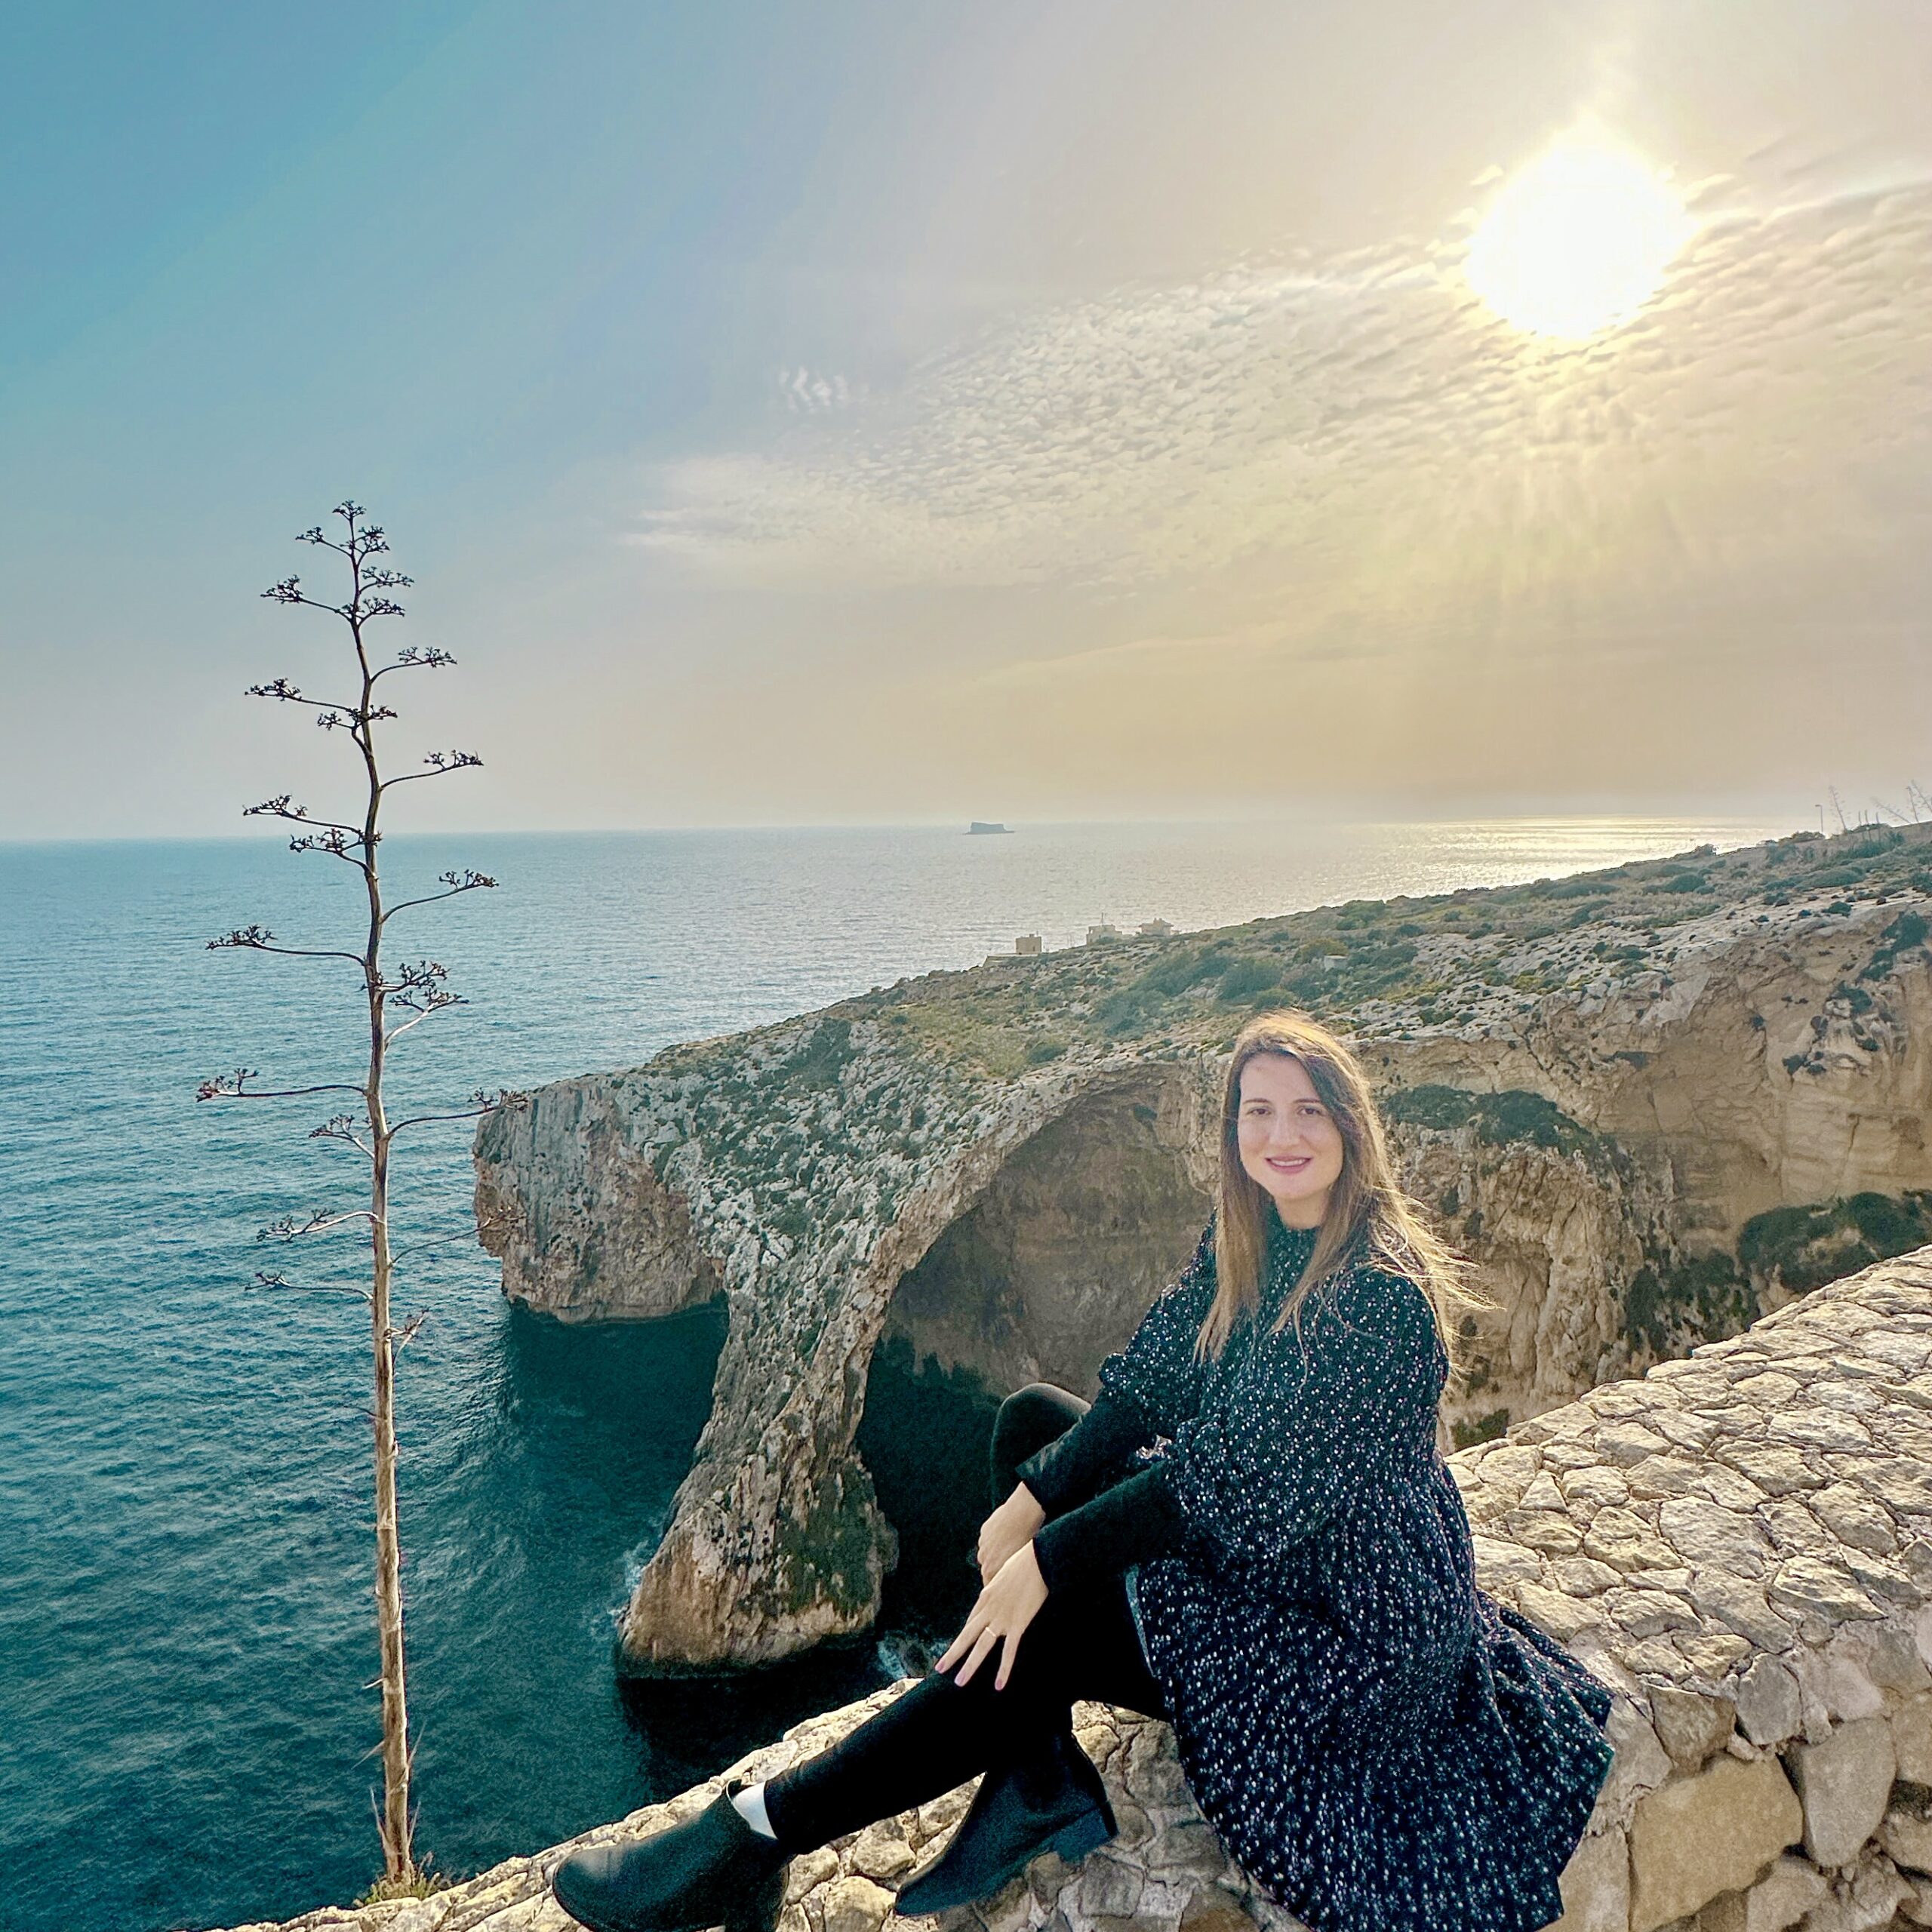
point(1610, 1088)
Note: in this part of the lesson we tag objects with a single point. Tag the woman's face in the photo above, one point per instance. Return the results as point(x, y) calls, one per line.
point(1290, 1144)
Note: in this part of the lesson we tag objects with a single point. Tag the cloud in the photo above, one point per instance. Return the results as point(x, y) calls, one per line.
point(1354, 447)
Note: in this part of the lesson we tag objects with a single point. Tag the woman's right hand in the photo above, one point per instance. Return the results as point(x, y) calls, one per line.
point(1010, 1528)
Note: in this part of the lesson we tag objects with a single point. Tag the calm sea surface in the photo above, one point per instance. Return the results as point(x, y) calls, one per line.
point(185, 1626)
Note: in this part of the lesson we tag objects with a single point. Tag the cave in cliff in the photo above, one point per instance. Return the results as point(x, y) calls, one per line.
point(1047, 1273)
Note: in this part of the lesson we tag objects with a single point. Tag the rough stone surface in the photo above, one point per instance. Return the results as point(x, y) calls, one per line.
point(1707, 1834)
point(1844, 1784)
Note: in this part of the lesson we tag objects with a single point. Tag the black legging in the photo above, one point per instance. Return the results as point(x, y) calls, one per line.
point(938, 1733)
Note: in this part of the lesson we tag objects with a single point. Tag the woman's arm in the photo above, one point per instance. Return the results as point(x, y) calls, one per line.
point(1132, 1522)
point(1306, 1432)
point(1075, 1465)
point(1156, 1371)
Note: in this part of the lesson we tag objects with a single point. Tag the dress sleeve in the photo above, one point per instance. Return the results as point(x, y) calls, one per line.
point(1157, 1370)
point(1133, 1522)
point(1078, 1465)
point(1304, 1432)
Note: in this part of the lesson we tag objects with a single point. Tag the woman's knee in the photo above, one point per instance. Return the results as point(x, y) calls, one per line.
point(1031, 1417)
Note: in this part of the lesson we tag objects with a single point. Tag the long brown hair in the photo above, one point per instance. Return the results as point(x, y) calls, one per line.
point(1370, 1220)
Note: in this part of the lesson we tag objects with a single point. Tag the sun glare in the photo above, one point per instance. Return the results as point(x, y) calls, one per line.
point(1577, 241)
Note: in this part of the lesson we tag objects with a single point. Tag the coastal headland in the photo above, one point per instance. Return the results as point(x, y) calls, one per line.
point(1653, 1102)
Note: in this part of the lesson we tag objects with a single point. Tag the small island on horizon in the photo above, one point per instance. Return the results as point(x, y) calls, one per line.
point(981, 826)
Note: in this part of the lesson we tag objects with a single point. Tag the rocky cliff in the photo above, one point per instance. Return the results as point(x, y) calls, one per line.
point(1740, 1543)
point(1651, 1101)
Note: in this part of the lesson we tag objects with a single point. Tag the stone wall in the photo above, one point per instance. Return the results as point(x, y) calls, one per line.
point(1740, 1543)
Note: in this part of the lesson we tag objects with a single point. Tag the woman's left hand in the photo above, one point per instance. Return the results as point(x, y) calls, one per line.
point(1006, 1606)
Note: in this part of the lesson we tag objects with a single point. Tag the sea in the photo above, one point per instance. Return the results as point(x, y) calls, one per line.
point(187, 1638)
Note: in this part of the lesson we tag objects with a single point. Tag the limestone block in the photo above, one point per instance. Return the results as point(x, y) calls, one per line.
point(1775, 1903)
point(1839, 1681)
point(880, 1851)
point(1109, 1888)
point(1844, 1783)
point(1595, 1488)
point(1709, 1537)
point(1691, 1727)
point(1906, 1836)
point(1702, 1836)
point(1627, 1442)
point(1596, 1885)
point(1809, 1586)
point(1654, 1657)
point(1900, 1482)
point(1649, 1613)
point(855, 1904)
point(1621, 1538)
point(1767, 1702)
point(1663, 1475)
point(1499, 1562)
point(1212, 1908)
point(1713, 1653)
point(1639, 1765)
point(1740, 1607)
point(1855, 1518)
point(1562, 1617)
point(1912, 1738)
point(1545, 1530)
point(810, 1870)
point(1861, 1901)
point(1583, 1576)
point(1777, 1469)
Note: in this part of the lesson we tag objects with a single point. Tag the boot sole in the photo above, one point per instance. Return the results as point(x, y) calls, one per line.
point(757, 1913)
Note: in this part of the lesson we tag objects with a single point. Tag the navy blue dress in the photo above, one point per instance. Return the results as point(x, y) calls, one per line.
point(1380, 1745)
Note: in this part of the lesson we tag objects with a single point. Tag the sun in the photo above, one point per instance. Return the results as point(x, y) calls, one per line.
point(1577, 241)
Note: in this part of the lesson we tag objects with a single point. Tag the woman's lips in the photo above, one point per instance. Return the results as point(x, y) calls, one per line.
point(1289, 1166)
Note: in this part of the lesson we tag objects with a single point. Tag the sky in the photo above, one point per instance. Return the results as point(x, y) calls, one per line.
point(882, 411)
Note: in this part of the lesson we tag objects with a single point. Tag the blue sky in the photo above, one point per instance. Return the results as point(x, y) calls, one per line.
point(908, 412)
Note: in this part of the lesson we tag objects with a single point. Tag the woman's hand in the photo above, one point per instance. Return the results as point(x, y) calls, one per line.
point(1006, 1606)
point(1010, 1526)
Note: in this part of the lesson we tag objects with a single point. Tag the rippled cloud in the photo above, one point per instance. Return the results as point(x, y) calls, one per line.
point(1355, 449)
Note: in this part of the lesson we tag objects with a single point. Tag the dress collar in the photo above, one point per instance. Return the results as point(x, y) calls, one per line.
point(1288, 1251)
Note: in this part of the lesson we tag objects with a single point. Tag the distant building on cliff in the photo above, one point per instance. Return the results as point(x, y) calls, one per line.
point(1155, 929)
point(1100, 934)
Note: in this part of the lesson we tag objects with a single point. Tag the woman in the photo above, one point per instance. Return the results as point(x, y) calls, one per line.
point(1251, 1533)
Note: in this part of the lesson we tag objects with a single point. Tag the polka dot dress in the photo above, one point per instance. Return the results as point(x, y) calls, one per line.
point(1379, 1743)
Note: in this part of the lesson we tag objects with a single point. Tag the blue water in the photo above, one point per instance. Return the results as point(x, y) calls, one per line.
point(185, 1624)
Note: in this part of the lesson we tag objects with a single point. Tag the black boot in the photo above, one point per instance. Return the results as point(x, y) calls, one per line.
point(1051, 1800)
point(714, 1869)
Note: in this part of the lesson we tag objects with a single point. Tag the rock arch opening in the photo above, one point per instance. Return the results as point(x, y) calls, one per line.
point(1046, 1274)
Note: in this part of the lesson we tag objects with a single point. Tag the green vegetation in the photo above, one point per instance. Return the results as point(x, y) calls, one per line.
point(1513, 1115)
point(1805, 1248)
point(1907, 931)
point(823, 1057)
point(1671, 1303)
point(1479, 1428)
